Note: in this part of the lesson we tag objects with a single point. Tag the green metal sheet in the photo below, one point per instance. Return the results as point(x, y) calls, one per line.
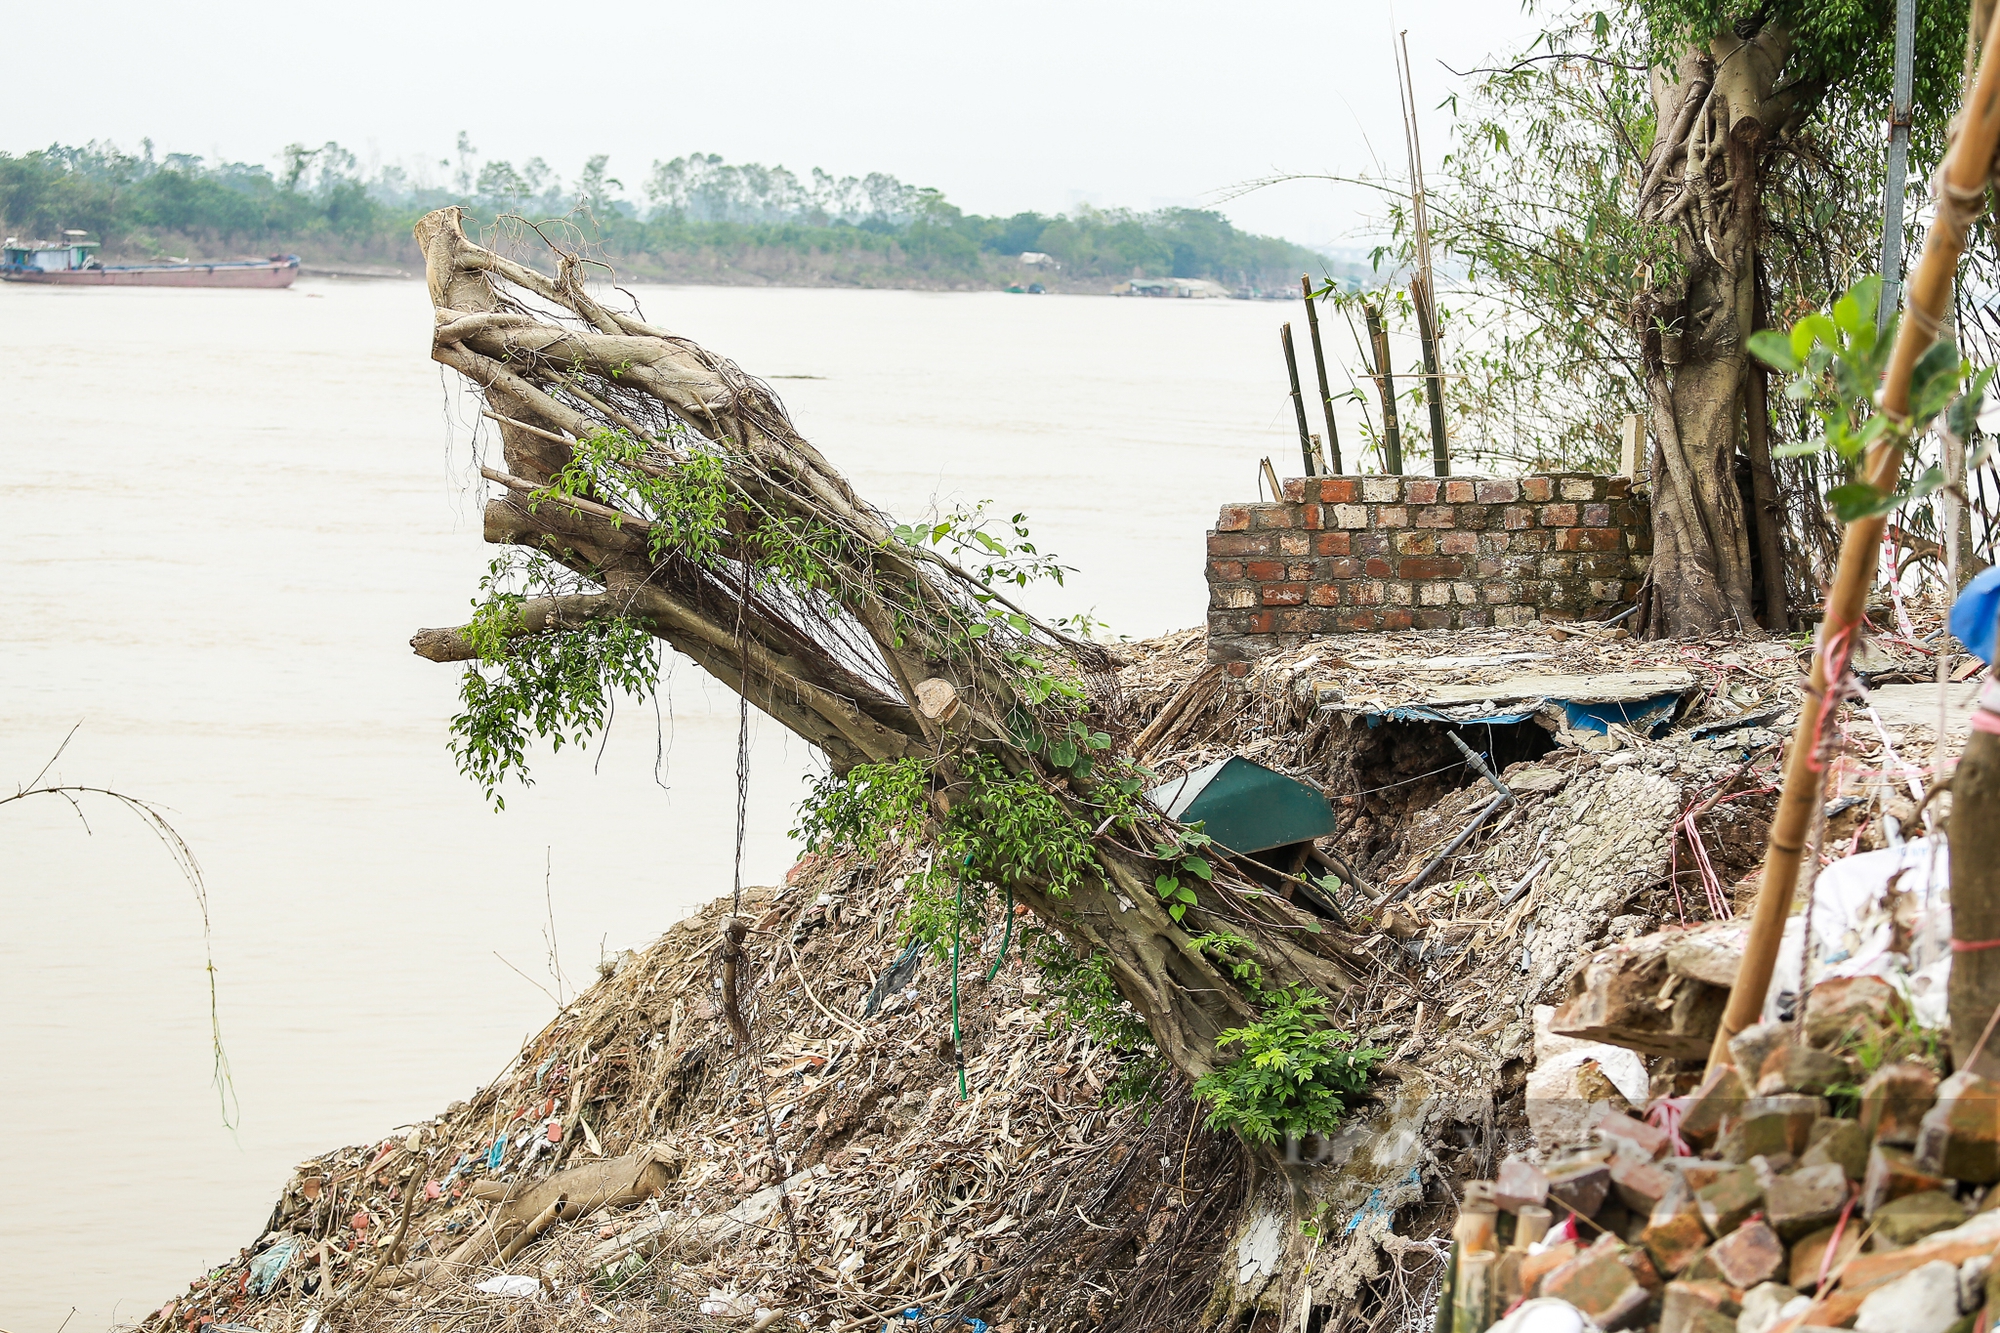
point(1245, 806)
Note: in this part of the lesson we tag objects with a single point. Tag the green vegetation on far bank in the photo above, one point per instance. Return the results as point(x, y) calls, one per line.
point(699, 219)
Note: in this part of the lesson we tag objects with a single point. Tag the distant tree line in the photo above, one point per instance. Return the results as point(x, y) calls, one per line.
point(695, 210)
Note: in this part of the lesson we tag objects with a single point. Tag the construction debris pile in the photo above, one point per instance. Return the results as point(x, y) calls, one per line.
point(1840, 1183)
point(646, 1164)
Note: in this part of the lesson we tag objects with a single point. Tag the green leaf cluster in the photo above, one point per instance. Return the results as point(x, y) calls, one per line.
point(1296, 1074)
point(1835, 361)
point(1182, 859)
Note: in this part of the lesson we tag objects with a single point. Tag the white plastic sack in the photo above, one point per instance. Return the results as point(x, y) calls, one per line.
point(1852, 931)
point(511, 1284)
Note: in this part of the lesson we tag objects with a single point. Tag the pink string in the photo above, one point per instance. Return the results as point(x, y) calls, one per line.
point(1666, 1114)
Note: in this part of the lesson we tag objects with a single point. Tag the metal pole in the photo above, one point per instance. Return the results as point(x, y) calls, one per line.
point(1319, 363)
point(1899, 164)
point(1298, 398)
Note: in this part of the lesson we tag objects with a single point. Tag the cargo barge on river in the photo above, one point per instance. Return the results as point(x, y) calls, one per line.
point(72, 263)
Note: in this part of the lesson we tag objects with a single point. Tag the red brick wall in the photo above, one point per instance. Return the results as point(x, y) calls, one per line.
point(1353, 554)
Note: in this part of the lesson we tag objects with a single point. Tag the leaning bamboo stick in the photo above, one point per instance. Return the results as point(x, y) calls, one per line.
point(1967, 167)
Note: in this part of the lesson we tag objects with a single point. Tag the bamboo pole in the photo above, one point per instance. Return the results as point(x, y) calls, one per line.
point(1420, 296)
point(1385, 384)
point(1319, 363)
point(1967, 167)
point(1298, 398)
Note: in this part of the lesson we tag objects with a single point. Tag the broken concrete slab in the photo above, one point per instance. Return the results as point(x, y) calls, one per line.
point(1748, 1255)
point(1805, 1200)
point(1598, 1283)
point(1894, 1101)
point(1625, 996)
point(1727, 1200)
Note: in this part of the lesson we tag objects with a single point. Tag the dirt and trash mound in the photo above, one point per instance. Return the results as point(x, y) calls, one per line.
point(644, 1163)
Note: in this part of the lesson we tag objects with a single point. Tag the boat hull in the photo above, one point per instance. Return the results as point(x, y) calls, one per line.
point(274, 273)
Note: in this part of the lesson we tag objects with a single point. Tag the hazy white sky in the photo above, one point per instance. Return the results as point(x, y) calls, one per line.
point(1003, 107)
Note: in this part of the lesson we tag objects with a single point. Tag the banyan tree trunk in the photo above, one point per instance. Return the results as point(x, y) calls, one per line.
point(836, 646)
point(1724, 108)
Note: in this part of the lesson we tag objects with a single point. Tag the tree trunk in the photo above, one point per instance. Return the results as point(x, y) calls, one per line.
point(836, 658)
point(1703, 181)
point(1975, 900)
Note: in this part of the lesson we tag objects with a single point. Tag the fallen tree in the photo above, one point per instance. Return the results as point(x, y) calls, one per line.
point(653, 491)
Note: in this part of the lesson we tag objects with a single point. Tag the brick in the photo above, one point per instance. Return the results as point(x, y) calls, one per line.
point(1809, 1255)
point(1378, 568)
point(1360, 622)
point(1502, 593)
point(1234, 518)
point(1793, 1067)
point(1579, 488)
point(1429, 567)
point(1350, 516)
point(1265, 571)
point(1771, 1125)
point(1397, 618)
point(1420, 490)
point(1402, 593)
point(1537, 488)
point(1331, 543)
point(1895, 1099)
point(1805, 1200)
point(1324, 594)
point(1474, 518)
point(1299, 571)
point(1518, 517)
point(1500, 615)
point(1674, 1234)
point(1284, 594)
point(1914, 1216)
point(1434, 594)
point(1617, 488)
point(1538, 1266)
point(1271, 516)
point(1842, 1142)
point(1294, 488)
point(1496, 492)
point(1466, 594)
point(1432, 619)
point(1699, 1307)
point(1349, 568)
point(1598, 1283)
point(1309, 517)
point(1294, 543)
point(1225, 571)
point(1748, 1255)
point(1416, 543)
point(1365, 592)
point(1240, 543)
point(1453, 543)
point(1381, 490)
point(1371, 543)
point(1337, 490)
point(1632, 1133)
point(1893, 1174)
point(1301, 621)
point(1392, 516)
point(1641, 1183)
point(1597, 516)
point(1587, 539)
point(1233, 596)
point(1843, 1008)
point(1557, 516)
point(1725, 1201)
point(1960, 1136)
point(1533, 539)
point(1437, 516)
point(1520, 1184)
point(1749, 1048)
point(1237, 670)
